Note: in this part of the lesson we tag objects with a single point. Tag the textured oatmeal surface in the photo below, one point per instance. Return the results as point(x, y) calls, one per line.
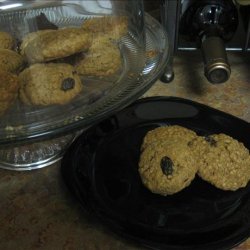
point(46, 84)
point(167, 167)
point(49, 45)
point(223, 161)
point(6, 40)
point(168, 133)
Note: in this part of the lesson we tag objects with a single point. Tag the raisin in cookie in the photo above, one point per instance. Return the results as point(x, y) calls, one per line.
point(167, 167)
point(113, 26)
point(8, 90)
point(167, 134)
point(6, 40)
point(10, 61)
point(223, 161)
point(46, 84)
point(102, 59)
point(48, 46)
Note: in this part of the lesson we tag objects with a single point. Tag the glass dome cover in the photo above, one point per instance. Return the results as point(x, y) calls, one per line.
point(72, 63)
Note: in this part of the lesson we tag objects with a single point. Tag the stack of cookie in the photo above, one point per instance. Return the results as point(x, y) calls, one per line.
point(58, 58)
point(103, 57)
point(46, 66)
point(171, 156)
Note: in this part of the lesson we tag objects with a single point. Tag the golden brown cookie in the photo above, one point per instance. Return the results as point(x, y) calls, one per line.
point(113, 26)
point(10, 61)
point(6, 40)
point(8, 90)
point(46, 84)
point(47, 46)
point(29, 37)
point(167, 167)
point(167, 134)
point(102, 59)
point(223, 161)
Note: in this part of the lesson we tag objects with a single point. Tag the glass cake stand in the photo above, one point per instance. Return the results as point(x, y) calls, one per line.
point(37, 138)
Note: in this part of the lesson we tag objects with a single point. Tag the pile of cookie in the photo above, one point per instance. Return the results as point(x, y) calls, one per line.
point(47, 65)
point(171, 157)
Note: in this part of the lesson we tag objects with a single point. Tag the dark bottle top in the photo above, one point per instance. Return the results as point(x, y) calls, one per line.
point(211, 23)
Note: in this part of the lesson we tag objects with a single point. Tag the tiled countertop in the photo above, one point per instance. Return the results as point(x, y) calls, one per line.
point(37, 211)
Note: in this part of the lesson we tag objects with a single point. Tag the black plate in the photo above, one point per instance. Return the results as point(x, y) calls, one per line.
point(100, 168)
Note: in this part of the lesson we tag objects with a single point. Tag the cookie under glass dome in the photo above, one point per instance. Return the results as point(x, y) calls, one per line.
point(70, 64)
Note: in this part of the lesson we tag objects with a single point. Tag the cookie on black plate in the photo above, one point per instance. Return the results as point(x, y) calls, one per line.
point(167, 134)
point(167, 167)
point(223, 161)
